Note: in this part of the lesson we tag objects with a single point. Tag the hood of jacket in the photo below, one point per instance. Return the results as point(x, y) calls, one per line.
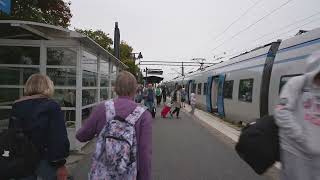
point(312, 67)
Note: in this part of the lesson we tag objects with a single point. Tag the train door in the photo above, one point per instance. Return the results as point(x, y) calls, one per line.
point(220, 103)
point(188, 89)
point(208, 96)
point(212, 94)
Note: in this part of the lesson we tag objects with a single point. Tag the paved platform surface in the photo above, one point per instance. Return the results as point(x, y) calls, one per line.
point(187, 149)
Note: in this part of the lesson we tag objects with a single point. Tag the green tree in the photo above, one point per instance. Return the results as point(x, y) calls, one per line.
point(125, 51)
point(55, 12)
point(127, 58)
point(99, 37)
point(132, 67)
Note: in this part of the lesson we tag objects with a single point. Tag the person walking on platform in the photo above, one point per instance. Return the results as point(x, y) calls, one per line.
point(42, 121)
point(298, 118)
point(164, 93)
point(183, 97)
point(158, 95)
point(149, 96)
point(139, 94)
point(176, 101)
point(193, 102)
point(128, 158)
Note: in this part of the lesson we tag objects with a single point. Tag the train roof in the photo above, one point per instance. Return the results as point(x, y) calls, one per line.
point(300, 38)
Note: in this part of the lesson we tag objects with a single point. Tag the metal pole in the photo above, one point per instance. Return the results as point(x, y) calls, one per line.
point(182, 69)
point(146, 76)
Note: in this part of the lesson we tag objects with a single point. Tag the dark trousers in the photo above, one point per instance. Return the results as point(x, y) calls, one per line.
point(164, 98)
point(158, 100)
point(176, 110)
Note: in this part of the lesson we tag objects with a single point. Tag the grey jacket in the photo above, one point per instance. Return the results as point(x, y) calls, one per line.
point(298, 115)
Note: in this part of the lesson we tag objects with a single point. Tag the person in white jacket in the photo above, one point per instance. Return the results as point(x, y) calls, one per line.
point(193, 102)
point(298, 118)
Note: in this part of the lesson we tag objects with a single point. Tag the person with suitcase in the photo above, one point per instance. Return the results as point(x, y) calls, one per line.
point(165, 110)
point(176, 101)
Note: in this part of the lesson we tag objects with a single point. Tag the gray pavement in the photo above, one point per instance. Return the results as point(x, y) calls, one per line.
point(186, 149)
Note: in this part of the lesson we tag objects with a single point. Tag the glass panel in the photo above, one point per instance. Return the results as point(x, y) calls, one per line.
point(62, 77)
point(228, 89)
point(19, 55)
point(89, 96)
point(89, 79)
point(285, 79)
point(62, 56)
point(104, 67)
point(104, 81)
point(4, 118)
point(199, 88)
point(70, 117)
point(103, 94)
point(205, 89)
point(245, 90)
point(16, 76)
point(9, 95)
point(194, 87)
point(85, 113)
point(65, 97)
point(89, 62)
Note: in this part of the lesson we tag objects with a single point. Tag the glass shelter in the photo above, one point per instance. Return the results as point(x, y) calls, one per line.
point(82, 71)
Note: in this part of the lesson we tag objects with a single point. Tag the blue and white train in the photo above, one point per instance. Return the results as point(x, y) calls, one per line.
point(247, 87)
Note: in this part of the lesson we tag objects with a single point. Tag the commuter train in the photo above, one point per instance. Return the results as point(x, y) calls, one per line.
point(247, 86)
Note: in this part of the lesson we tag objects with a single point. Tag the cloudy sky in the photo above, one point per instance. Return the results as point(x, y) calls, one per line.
point(179, 30)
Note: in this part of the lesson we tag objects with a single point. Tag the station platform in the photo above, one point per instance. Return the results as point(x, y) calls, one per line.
point(193, 147)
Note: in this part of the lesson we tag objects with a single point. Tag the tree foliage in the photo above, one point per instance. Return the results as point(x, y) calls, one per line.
point(55, 12)
point(99, 37)
point(125, 51)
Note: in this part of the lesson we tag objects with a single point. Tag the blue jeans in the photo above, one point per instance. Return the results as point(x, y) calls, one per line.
point(149, 104)
point(44, 171)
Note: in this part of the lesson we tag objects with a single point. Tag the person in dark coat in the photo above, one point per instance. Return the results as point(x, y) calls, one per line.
point(164, 93)
point(44, 123)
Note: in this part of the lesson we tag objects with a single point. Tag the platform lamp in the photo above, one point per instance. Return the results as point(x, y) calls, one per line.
point(134, 59)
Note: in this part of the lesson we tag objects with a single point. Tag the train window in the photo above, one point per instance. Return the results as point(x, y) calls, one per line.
point(199, 88)
point(205, 89)
point(284, 79)
point(228, 89)
point(194, 86)
point(245, 90)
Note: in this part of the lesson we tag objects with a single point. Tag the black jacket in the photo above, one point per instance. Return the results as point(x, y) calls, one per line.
point(44, 123)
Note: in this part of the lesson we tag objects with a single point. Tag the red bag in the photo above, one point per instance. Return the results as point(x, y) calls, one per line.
point(165, 111)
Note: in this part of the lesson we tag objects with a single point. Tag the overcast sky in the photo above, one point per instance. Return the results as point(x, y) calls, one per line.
point(179, 30)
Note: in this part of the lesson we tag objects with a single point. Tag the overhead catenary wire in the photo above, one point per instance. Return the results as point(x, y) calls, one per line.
point(251, 25)
point(274, 32)
point(234, 22)
point(294, 29)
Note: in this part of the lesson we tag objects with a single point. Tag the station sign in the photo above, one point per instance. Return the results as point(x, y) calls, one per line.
point(155, 71)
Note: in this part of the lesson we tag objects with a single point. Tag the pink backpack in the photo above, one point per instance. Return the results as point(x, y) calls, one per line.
point(115, 157)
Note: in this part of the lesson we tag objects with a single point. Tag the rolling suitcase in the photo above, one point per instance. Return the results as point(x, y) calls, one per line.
point(165, 111)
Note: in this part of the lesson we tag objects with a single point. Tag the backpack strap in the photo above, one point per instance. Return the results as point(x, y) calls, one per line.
point(110, 109)
point(135, 115)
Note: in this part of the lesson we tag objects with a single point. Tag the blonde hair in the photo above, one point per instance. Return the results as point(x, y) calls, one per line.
point(126, 84)
point(39, 84)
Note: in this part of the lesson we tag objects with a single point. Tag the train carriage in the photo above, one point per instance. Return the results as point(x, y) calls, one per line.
point(247, 86)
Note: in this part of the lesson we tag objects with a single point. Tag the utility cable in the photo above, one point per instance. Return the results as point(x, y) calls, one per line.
point(251, 25)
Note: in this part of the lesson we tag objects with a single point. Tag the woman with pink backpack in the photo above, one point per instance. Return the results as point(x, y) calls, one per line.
point(124, 148)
